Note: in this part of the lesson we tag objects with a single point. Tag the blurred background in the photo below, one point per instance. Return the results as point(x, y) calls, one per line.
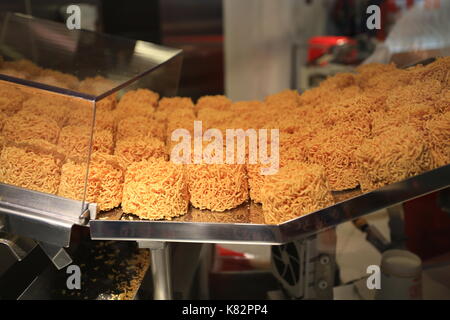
point(246, 49)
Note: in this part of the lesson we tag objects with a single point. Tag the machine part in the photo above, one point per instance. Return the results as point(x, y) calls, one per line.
point(250, 229)
point(40, 216)
point(160, 266)
point(373, 235)
point(57, 255)
point(306, 268)
point(19, 276)
point(397, 226)
point(13, 249)
point(109, 271)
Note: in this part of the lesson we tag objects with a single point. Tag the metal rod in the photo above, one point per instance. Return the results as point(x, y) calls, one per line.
point(162, 282)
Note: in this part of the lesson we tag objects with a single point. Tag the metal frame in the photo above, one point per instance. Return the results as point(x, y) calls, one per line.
point(43, 217)
point(356, 206)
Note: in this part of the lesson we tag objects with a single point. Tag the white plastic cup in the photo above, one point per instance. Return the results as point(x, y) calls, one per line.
point(401, 276)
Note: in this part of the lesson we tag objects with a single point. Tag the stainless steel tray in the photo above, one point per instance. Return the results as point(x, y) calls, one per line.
point(245, 223)
point(41, 216)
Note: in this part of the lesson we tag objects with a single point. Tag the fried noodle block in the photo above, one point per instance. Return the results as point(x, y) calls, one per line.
point(335, 151)
point(2, 142)
point(105, 181)
point(217, 187)
point(139, 127)
point(296, 189)
point(255, 181)
point(67, 80)
point(26, 126)
point(131, 150)
point(81, 115)
point(47, 107)
point(99, 85)
point(75, 141)
point(14, 73)
point(25, 66)
point(437, 132)
point(30, 168)
point(155, 189)
point(171, 106)
point(3, 118)
point(283, 99)
point(10, 99)
point(140, 102)
point(217, 102)
point(394, 155)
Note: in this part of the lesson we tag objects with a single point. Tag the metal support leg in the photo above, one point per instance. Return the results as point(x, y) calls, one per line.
point(306, 267)
point(161, 271)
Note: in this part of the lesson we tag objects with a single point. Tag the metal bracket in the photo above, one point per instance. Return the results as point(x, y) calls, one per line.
point(161, 268)
point(57, 255)
point(44, 217)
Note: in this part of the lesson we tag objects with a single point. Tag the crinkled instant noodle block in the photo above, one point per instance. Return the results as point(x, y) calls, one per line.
point(286, 98)
point(155, 189)
point(47, 106)
point(394, 155)
point(24, 126)
point(296, 189)
point(11, 99)
point(437, 131)
point(2, 142)
point(81, 115)
point(140, 102)
point(334, 149)
point(105, 181)
point(3, 118)
point(217, 102)
point(217, 187)
point(139, 127)
point(30, 166)
point(25, 66)
point(76, 140)
point(255, 181)
point(131, 150)
point(67, 80)
point(172, 106)
point(96, 86)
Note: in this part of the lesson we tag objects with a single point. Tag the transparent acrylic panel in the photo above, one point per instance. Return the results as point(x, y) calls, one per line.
point(73, 81)
point(82, 54)
point(43, 134)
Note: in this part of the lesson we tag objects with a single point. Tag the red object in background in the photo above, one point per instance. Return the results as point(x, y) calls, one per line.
point(427, 227)
point(229, 260)
point(318, 46)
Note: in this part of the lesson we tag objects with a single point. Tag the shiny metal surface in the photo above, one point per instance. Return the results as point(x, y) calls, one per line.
point(52, 45)
point(161, 272)
point(245, 225)
point(44, 217)
point(57, 255)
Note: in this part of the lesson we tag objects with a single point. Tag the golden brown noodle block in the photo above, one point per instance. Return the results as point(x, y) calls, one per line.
point(29, 126)
point(437, 131)
point(297, 189)
point(217, 187)
point(217, 102)
point(10, 99)
point(139, 127)
point(105, 181)
point(131, 150)
point(76, 141)
point(30, 168)
point(394, 155)
point(47, 107)
point(155, 189)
